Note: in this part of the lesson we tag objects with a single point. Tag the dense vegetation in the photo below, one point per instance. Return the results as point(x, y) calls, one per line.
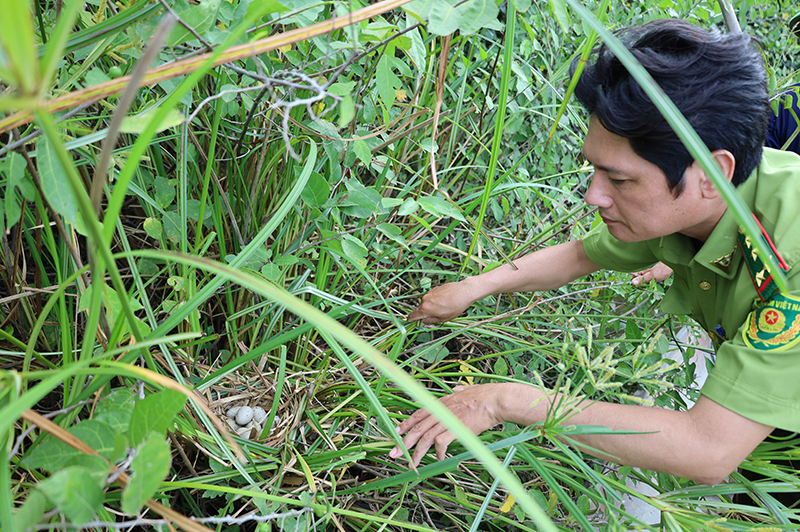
point(254, 234)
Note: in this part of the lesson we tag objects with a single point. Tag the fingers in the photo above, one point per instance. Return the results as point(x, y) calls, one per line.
point(642, 277)
point(422, 431)
point(443, 303)
point(475, 406)
point(443, 440)
point(421, 313)
point(659, 272)
point(426, 316)
point(416, 315)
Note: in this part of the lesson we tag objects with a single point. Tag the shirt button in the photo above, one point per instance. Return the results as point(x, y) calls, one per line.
point(705, 285)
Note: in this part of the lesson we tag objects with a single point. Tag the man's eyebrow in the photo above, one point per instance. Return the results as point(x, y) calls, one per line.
point(606, 169)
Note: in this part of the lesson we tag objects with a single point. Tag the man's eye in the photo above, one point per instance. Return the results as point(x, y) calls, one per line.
point(616, 181)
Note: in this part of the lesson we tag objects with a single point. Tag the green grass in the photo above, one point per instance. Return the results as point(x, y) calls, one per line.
point(220, 262)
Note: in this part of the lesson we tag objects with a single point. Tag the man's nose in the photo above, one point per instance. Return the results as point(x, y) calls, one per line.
point(597, 195)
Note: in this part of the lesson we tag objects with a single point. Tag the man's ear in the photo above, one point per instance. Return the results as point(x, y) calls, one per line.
point(726, 162)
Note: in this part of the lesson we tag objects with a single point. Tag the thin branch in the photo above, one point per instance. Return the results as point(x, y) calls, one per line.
point(27, 138)
point(49, 415)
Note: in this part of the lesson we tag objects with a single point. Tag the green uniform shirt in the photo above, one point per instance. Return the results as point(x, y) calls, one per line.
point(714, 286)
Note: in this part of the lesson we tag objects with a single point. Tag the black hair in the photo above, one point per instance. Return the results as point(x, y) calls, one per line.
point(717, 80)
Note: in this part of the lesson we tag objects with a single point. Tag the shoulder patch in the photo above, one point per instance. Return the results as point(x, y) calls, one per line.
point(775, 324)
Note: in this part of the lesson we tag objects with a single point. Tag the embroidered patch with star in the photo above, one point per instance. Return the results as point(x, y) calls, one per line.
point(775, 324)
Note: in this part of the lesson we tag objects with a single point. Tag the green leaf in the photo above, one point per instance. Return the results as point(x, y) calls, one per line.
point(268, 7)
point(432, 353)
point(147, 267)
point(501, 367)
point(31, 512)
point(317, 191)
point(77, 491)
point(342, 88)
point(148, 470)
point(154, 413)
point(355, 250)
point(111, 301)
point(559, 9)
point(55, 183)
point(387, 204)
point(200, 17)
point(164, 191)
point(53, 454)
point(522, 5)
point(421, 8)
point(440, 207)
point(137, 124)
point(444, 18)
point(272, 272)
point(115, 410)
point(347, 111)
point(362, 151)
point(254, 261)
point(386, 80)
point(409, 206)
point(154, 228)
point(361, 201)
point(632, 331)
point(172, 226)
point(477, 14)
point(177, 283)
point(193, 210)
point(288, 259)
point(306, 12)
point(95, 77)
point(393, 232)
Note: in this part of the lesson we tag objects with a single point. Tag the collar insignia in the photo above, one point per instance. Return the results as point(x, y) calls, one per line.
point(724, 262)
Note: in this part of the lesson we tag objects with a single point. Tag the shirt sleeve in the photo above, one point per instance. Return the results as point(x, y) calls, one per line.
point(757, 371)
point(612, 254)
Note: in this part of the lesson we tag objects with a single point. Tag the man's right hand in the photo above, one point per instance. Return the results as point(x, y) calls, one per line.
point(445, 302)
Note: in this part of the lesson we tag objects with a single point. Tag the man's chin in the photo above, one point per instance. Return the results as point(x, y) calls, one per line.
point(621, 233)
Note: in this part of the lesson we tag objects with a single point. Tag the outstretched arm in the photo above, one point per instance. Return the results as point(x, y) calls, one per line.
point(703, 444)
point(546, 269)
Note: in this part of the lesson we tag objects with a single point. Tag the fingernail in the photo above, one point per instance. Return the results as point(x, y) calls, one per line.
point(636, 282)
point(394, 453)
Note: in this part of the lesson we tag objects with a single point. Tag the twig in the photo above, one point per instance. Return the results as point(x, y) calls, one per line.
point(27, 138)
point(179, 447)
point(49, 415)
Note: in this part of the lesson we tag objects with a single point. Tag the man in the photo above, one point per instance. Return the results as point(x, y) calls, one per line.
point(657, 204)
point(782, 134)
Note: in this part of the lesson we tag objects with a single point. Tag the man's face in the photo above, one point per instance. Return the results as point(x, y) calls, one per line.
point(631, 194)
